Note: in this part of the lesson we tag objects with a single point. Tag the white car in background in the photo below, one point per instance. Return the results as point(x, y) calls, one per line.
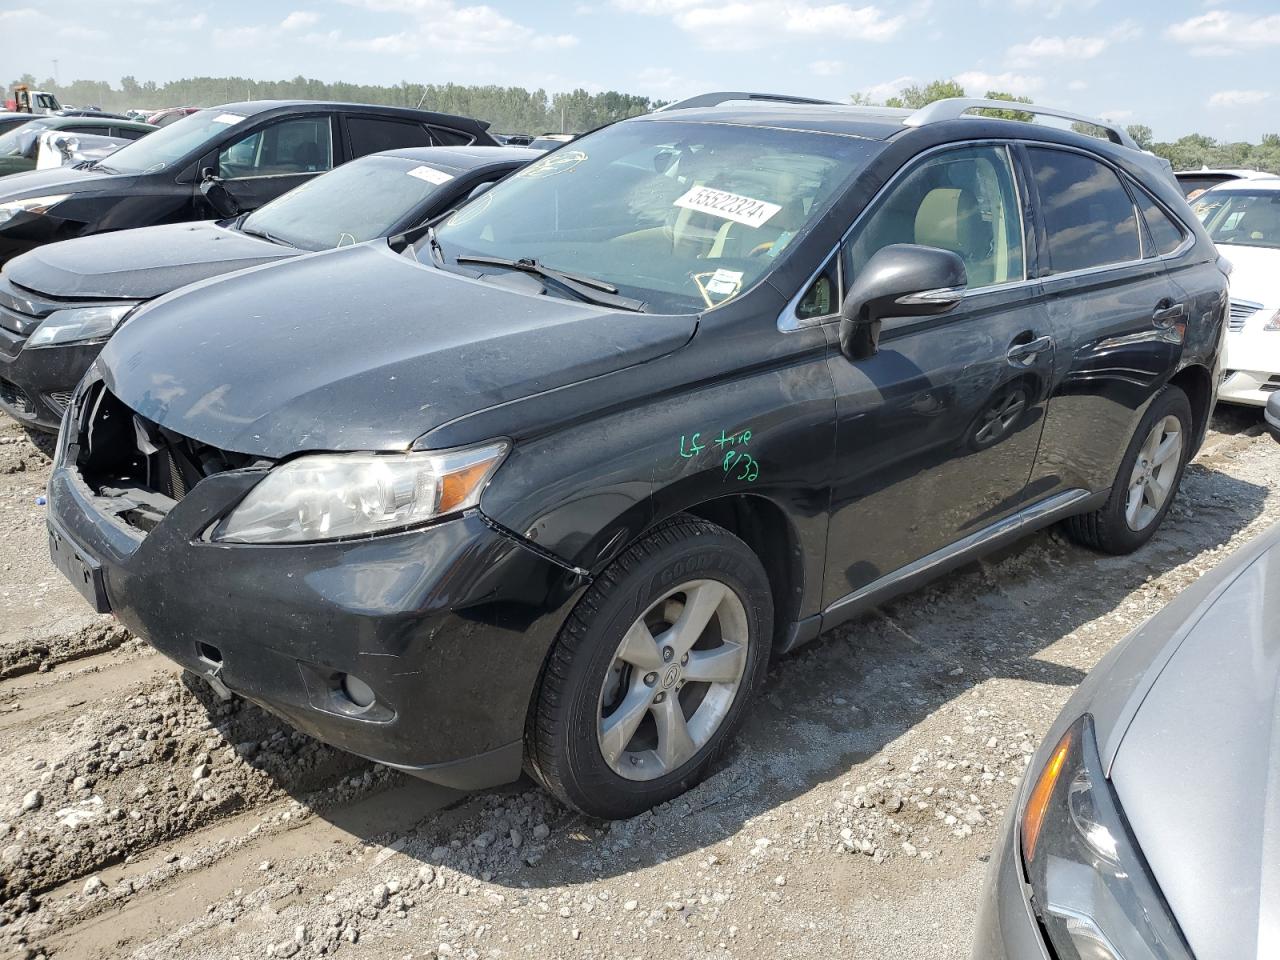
point(1195, 182)
point(1243, 218)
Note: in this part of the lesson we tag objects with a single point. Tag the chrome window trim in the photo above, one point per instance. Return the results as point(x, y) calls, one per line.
point(789, 322)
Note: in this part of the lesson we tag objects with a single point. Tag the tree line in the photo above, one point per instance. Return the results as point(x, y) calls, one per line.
point(508, 109)
point(518, 110)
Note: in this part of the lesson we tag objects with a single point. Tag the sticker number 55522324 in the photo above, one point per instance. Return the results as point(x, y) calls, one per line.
point(728, 206)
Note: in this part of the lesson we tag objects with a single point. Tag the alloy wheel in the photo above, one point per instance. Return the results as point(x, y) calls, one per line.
point(673, 679)
point(1154, 473)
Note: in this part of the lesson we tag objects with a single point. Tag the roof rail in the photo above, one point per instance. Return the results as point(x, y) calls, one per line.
point(725, 96)
point(955, 108)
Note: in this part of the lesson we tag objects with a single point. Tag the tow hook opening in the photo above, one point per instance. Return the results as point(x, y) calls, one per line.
point(209, 654)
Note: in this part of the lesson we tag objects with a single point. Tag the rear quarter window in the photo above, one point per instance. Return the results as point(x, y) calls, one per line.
point(1166, 233)
point(1089, 216)
point(374, 134)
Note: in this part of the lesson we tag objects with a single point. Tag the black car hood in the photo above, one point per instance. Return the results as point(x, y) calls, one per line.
point(37, 183)
point(140, 264)
point(359, 349)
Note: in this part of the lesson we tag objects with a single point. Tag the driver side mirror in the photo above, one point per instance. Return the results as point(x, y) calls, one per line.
point(216, 192)
point(902, 280)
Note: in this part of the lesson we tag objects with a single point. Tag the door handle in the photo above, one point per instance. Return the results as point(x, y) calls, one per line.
point(1024, 354)
point(1167, 313)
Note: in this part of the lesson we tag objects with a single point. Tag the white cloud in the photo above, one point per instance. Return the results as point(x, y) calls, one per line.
point(978, 83)
point(826, 68)
point(458, 28)
point(881, 92)
point(299, 19)
point(1222, 33)
point(1117, 116)
point(1054, 8)
point(1238, 98)
point(752, 24)
point(179, 25)
point(1042, 48)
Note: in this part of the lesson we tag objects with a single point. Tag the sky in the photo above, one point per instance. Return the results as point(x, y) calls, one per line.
point(1178, 66)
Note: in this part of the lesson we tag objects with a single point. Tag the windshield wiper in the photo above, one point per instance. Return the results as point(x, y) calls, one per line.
point(268, 236)
point(584, 288)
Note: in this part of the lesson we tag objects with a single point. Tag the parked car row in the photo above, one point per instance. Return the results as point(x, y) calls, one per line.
point(61, 301)
point(540, 476)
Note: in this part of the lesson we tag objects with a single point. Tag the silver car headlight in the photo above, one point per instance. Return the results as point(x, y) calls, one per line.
point(338, 495)
point(1092, 888)
point(80, 324)
point(12, 208)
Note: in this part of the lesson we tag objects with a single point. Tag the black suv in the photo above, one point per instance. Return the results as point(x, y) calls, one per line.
point(252, 152)
point(550, 483)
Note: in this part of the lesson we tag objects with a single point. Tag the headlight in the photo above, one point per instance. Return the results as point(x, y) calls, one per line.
point(329, 496)
point(32, 205)
point(84, 323)
point(1092, 888)
point(1273, 324)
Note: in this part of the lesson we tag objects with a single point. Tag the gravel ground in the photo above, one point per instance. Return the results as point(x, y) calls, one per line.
point(140, 817)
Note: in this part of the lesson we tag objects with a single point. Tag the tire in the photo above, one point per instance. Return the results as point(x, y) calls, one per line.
point(577, 743)
point(1115, 528)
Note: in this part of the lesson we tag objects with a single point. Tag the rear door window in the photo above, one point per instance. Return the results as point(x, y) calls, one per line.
point(373, 134)
point(287, 147)
point(1089, 216)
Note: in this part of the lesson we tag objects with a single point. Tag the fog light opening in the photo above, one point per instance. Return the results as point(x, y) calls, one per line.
point(357, 691)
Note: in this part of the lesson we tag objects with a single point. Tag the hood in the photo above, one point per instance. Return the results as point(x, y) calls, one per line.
point(1198, 771)
point(1255, 273)
point(359, 349)
point(37, 183)
point(140, 264)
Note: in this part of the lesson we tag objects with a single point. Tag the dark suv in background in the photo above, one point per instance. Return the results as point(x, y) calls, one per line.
point(251, 151)
point(550, 483)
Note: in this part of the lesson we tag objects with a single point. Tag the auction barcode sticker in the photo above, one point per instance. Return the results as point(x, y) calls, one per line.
point(729, 206)
point(431, 175)
point(228, 118)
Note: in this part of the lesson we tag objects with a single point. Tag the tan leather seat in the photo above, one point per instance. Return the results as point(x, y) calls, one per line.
point(949, 218)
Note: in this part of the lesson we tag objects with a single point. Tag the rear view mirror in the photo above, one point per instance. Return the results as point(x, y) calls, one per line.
point(1271, 416)
point(902, 280)
point(479, 189)
point(216, 192)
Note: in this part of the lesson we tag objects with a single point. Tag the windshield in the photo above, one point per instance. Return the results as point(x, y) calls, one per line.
point(1245, 218)
point(169, 145)
point(362, 200)
point(18, 141)
point(683, 216)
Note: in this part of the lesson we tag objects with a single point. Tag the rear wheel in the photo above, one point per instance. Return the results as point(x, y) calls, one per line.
point(650, 675)
point(1147, 481)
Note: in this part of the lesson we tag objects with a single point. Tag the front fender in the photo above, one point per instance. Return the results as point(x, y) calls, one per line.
point(585, 491)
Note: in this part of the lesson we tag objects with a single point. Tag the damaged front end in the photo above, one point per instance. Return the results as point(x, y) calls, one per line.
point(384, 645)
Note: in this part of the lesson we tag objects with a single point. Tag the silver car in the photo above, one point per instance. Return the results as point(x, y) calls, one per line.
point(1148, 824)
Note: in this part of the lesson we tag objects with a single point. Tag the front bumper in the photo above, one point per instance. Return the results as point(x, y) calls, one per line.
point(1007, 926)
point(448, 624)
point(36, 385)
point(1251, 369)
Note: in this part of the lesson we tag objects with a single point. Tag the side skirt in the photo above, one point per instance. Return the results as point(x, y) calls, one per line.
point(916, 574)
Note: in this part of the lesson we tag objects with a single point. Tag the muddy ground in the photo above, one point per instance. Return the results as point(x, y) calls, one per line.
point(140, 817)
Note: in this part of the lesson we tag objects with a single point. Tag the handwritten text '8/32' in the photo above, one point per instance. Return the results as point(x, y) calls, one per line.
point(735, 461)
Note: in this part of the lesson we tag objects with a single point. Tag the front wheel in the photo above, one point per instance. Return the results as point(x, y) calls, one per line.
point(651, 673)
point(1147, 481)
